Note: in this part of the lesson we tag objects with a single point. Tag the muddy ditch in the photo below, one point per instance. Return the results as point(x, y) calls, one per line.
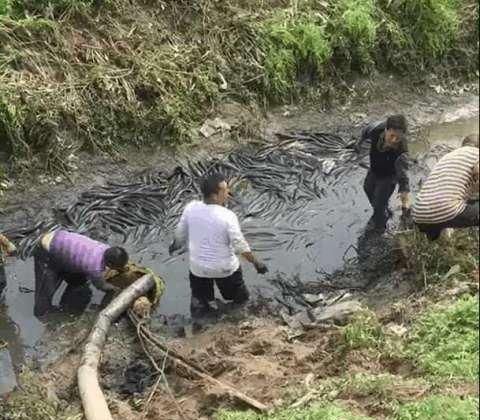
point(302, 207)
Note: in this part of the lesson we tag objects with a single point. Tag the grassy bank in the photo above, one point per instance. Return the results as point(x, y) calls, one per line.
point(428, 371)
point(98, 75)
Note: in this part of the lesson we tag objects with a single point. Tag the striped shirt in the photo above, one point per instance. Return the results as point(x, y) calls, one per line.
point(444, 194)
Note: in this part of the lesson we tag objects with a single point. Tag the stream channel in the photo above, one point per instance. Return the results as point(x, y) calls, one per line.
point(300, 202)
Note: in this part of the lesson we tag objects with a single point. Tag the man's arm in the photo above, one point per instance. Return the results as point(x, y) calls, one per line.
point(101, 284)
point(181, 233)
point(369, 132)
point(241, 247)
point(5, 245)
point(401, 169)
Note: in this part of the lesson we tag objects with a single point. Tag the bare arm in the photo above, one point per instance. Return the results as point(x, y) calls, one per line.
point(401, 168)
point(101, 284)
point(181, 233)
point(241, 246)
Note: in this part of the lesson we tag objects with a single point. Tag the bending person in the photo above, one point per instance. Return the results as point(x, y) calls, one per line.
point(388, 167)
point(75, 258)
point(446, 197)
point(214, 239)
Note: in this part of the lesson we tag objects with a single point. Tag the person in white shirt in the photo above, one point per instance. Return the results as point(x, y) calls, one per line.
point(214, 240)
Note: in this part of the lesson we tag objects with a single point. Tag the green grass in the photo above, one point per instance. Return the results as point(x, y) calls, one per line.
point(364, 331)
point(439, 408)
point(315, 412)
point(431, 261)
point(31, 402)
point(354, 31)
point(103, 75)
point(444, 342)
point(293, 44)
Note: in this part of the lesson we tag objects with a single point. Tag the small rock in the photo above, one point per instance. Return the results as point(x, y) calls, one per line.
point(459, 290)
point(328, 165)
point(8, 380)
point(313, 299)
point(295, 322)
point(396, 329)
point(207, 130)
point(338, 313)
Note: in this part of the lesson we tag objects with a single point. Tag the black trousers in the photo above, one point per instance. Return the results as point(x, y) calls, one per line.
point(468, 218)
point(379, 190)
point(231, 288)
point(48, 278)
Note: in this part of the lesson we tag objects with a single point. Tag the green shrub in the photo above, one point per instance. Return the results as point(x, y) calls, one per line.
point(444, 342)
point(292, 45)
point(364, 331)
point(4, 7)
point(439, 408)
point(418, 33)
point(353, 30)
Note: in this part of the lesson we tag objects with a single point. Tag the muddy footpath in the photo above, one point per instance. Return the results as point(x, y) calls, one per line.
point(297, 188)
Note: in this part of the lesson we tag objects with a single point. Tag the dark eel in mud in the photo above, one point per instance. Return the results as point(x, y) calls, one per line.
point(279, 178)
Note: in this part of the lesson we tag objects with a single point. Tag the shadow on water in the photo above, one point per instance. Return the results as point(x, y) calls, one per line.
point(300, 202)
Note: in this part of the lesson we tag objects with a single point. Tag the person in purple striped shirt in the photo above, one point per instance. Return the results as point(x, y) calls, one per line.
point(75, 258)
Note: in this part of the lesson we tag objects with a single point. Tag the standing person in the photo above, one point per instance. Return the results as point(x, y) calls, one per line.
point(445, 199)
point(388, 167)
point(75, 258)
point(214, 239)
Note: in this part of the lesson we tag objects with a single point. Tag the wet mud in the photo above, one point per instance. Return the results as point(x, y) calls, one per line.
point(302, 208)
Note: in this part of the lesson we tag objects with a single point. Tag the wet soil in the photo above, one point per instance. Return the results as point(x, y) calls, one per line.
point(326, 228)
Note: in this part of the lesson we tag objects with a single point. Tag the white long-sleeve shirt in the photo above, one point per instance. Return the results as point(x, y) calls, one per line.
point(214, 239)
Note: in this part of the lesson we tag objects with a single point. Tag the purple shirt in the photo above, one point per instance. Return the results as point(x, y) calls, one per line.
point(78, 254)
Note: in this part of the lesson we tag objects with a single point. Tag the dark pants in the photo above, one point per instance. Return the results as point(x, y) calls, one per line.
point(231, 288)
point(48, 278)
point(468, 218)
point(379, 190)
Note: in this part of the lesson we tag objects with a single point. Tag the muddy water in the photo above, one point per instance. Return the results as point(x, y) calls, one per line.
point(303, 239)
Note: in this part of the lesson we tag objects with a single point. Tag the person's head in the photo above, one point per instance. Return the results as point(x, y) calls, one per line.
point(471, 140)
point(214, 188)
point(395, 130)
point(116, 258)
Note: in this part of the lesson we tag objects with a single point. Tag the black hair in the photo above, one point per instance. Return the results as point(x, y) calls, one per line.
point(397, 122)
point(116, 257)
point(210, 184)
point(471, 140)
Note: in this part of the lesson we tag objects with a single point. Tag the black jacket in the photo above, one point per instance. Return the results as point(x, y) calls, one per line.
point(387, 163)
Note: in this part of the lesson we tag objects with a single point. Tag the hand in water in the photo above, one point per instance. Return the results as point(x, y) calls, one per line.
point(261, 268)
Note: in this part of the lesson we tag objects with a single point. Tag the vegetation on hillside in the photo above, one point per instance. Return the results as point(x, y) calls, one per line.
point(101, 74)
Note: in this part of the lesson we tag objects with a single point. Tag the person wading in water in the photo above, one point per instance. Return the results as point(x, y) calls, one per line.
point(388, 167)
point(449, 196)
point(214, 239)
point(75, 258)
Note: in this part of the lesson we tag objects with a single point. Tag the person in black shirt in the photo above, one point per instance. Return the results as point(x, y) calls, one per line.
point(388, 167)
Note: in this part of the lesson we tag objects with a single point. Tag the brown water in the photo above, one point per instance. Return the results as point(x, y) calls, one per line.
point(305, 242)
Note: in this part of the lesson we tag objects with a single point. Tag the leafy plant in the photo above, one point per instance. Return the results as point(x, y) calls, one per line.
point(444, 342)
point(353, 30)
point(293, 45)
point(364, 331)
point(439, 408)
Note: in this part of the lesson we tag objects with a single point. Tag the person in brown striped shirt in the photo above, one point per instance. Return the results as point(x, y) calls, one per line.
point(445, 199)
